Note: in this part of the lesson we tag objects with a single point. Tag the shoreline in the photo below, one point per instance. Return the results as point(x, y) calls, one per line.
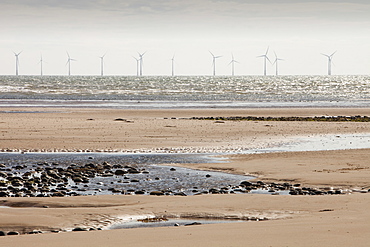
point(334, 220)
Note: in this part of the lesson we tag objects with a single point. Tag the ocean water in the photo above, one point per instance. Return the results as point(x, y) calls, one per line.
point(185, 91)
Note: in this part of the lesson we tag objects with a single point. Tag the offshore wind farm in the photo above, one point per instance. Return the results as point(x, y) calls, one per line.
point(268, 65)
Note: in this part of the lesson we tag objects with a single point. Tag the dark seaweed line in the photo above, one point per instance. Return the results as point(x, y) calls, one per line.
point(291, 119)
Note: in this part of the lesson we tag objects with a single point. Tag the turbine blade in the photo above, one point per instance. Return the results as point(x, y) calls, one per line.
point(333, 54)
point(267, 51)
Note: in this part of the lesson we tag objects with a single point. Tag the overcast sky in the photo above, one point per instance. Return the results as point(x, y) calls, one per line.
point(297, 30)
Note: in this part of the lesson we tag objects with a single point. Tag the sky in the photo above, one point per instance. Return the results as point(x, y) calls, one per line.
point(298, 31)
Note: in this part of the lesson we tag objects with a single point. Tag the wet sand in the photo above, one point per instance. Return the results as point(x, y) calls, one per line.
point(332, 220)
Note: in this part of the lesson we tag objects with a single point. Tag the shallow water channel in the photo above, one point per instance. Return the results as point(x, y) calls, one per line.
point(153, 175)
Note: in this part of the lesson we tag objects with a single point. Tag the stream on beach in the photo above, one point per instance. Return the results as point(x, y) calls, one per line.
point(72, 174)
point(123, 173)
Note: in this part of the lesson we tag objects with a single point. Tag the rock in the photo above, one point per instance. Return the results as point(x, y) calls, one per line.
point(135, 181)
point(120, 119)
point(180, 194)
point(4, 193)
point(119, 172)
point(246, 183)
point(176, 224)
point(173, 169)
point(193, 224)
point(79, 229)
point(3, 175)
point(208, 176)
point(139, 192)
point(35, 232)
point(2, 233)
point(133, 171)
point(58, 194)
point(13, 233)
point(77, 179)
point(214, 191)
point(157, 193)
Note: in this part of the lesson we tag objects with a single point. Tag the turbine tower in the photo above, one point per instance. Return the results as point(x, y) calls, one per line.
point(214, 62)
point(276, 63)
point(330, 58)
point(233, 61)
point(69, 63)
point(137, 65)
point(141, 62)
point(102, 65)
point(265, 61)
point(173, 65)
point(16, 62)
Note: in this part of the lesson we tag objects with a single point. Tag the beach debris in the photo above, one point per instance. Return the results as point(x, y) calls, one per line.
point(123, 120)
point(326, 210)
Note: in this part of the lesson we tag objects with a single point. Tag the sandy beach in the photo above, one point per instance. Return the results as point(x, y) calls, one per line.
point(325, 220)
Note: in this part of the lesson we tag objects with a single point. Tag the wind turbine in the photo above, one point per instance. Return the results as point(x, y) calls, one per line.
point(16, 62)
point(141, 62)
point(137, 65)
point(265, 60)
point(214, 62)
point(102, 65)
point(69, 63)
point(330, 57)
point(173, 65)
point(41, 61)
point(233, 61)
point(276, 63)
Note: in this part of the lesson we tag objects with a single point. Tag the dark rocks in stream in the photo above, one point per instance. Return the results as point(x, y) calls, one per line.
point(60, 180)
point(45, 180)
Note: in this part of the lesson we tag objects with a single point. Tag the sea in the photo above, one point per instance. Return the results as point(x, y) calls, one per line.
point(166, 92)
